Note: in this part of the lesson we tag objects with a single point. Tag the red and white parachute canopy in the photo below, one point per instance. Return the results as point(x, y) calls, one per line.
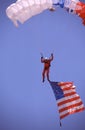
point(22, 10)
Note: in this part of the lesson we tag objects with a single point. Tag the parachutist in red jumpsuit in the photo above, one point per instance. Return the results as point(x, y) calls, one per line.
point(47, 64)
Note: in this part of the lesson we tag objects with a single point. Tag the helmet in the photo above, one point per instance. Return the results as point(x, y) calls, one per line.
point(46, 58)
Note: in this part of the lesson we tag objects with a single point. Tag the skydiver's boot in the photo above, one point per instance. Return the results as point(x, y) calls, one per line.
point(43, 80)
point(43, 77)
point(48, 78)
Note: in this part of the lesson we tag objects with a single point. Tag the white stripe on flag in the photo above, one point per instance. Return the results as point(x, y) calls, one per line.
point(67, 86)
point(69, 91)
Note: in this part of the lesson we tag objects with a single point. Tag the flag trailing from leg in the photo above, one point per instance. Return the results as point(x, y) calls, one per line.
point(68, 100)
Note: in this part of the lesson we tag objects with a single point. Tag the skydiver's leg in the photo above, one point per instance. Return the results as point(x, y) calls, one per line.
point(48, 74)
point(43, 75)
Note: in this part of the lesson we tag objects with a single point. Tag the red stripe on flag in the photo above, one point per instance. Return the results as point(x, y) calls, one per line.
point(68, 88)
point(69, 94)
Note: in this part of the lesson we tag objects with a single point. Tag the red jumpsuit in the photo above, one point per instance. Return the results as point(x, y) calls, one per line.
point(47, 64)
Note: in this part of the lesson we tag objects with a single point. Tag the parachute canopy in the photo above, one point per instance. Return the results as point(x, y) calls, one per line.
point(22, 10)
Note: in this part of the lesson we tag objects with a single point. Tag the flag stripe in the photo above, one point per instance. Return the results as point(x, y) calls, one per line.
point(70, 107)
point(79, 110)
point(70, 103)
point(69, 94)
point(72, 110)
point(68, 86)
point(68, 100)
point(62, 116)
point(65, 83)
point(68, 91)
point(67, 97)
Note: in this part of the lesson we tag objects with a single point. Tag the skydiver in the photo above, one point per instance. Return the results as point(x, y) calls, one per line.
point(47, 64)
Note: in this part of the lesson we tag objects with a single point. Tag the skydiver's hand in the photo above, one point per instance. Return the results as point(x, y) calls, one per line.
point(41, 54)
point(51, 54)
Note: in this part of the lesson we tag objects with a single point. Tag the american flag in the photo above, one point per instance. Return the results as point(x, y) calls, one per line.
point(68, 100)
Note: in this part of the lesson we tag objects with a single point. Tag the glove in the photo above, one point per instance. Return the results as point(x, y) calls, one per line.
point(41, 57)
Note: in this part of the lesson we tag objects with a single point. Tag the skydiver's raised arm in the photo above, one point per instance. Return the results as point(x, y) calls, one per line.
point(42, 59)
point(51, 58)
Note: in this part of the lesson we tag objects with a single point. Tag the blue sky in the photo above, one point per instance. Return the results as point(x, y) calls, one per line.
point(26, 102)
